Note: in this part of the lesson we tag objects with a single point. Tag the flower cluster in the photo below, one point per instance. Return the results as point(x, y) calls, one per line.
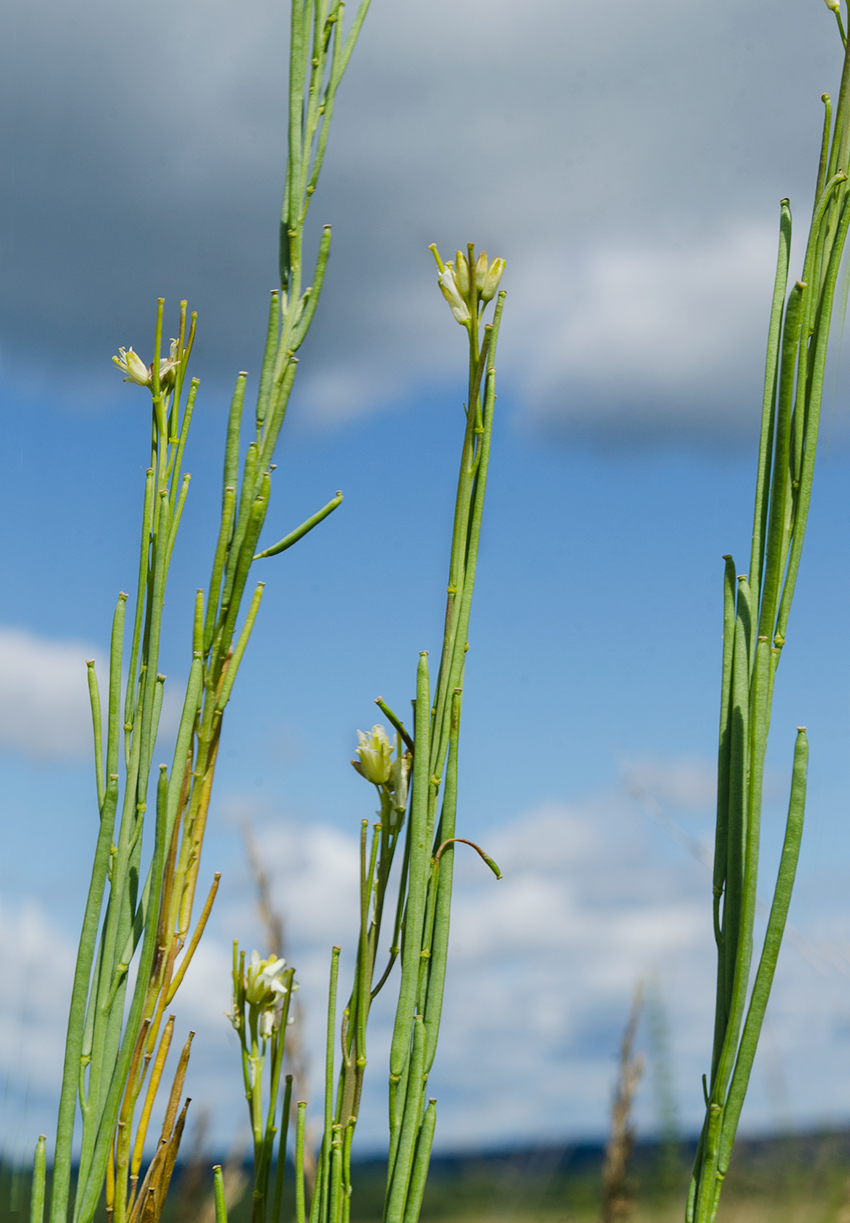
point(375, 763)
point(135, 370)
point(261, 988)
point(464, 283)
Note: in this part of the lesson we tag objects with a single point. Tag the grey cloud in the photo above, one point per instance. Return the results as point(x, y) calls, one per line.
point(626, 159)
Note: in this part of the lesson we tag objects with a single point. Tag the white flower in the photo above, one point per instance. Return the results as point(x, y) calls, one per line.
point(263, 984)
point(376, 756)
point(168, 365)
point(131, 364)
point(835, 5)
point(451, 293)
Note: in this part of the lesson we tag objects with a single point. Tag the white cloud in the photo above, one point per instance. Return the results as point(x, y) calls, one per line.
point(44, 698)
point(685, 784)
point(44, 703)
point(542, 968)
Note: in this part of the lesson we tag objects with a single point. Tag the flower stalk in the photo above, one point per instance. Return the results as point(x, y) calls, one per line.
point(111, 1038)
point(756, 614)
point(416, 783)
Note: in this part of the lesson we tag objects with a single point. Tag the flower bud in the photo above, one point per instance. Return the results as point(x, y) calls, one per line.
point(375, 756)
point(462, 275)
point(131, 364)
point(448, 286)
point(398, 783)
point(491, 280)
point(835, 5)
point(480, 270)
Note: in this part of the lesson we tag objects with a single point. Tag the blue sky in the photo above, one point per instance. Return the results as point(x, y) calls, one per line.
point(622, 470)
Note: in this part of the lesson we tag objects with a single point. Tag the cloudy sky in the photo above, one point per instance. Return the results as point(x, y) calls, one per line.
point(627, 161)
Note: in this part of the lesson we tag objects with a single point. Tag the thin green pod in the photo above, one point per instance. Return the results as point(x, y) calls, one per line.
point(97, 729)
point(457, 562)
point(336, 1170)
point(178, 514)
point(417, 876)
point(299, 51)
point(39, 1177)
point(299, 532)
point(144, 555)
point(318, 59)
point(191, 703)
point(724, 750)
point(770, 950)
point(246, 503)
point(774, 558)
point(246, 557)
point(312, 294)
point(419, 1175)
point(89, 1191)
point(231, 446)
point(736, 836)
point(154, 629)
point(824, 146)
point(323, 1197)
point(269, 354)
point(233, 666)
point(400, 1167)
point(224, 534)
point(198, 624)
point(352, 36)
point(299, 1162)
point(328, 99)
point(280, 1170)
point(220, 1199)
point(116, 651)
point(281, 390)
point(771, 379)
point(439, 943)
point(77, 1013)
point(808, 464)
point(838, 158)
point(184, 434)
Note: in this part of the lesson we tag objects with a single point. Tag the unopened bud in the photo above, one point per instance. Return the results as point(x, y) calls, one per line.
point(398, 783)
point(462, 275)
point(481, 270)
point(491, 280)
point(269, 1021)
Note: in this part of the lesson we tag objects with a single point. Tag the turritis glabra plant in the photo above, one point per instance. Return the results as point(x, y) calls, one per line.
point(756, 612)
point(416, 783)
point(138, 937)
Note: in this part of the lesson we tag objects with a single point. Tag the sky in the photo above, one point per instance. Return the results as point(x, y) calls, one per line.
point(628, 162)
